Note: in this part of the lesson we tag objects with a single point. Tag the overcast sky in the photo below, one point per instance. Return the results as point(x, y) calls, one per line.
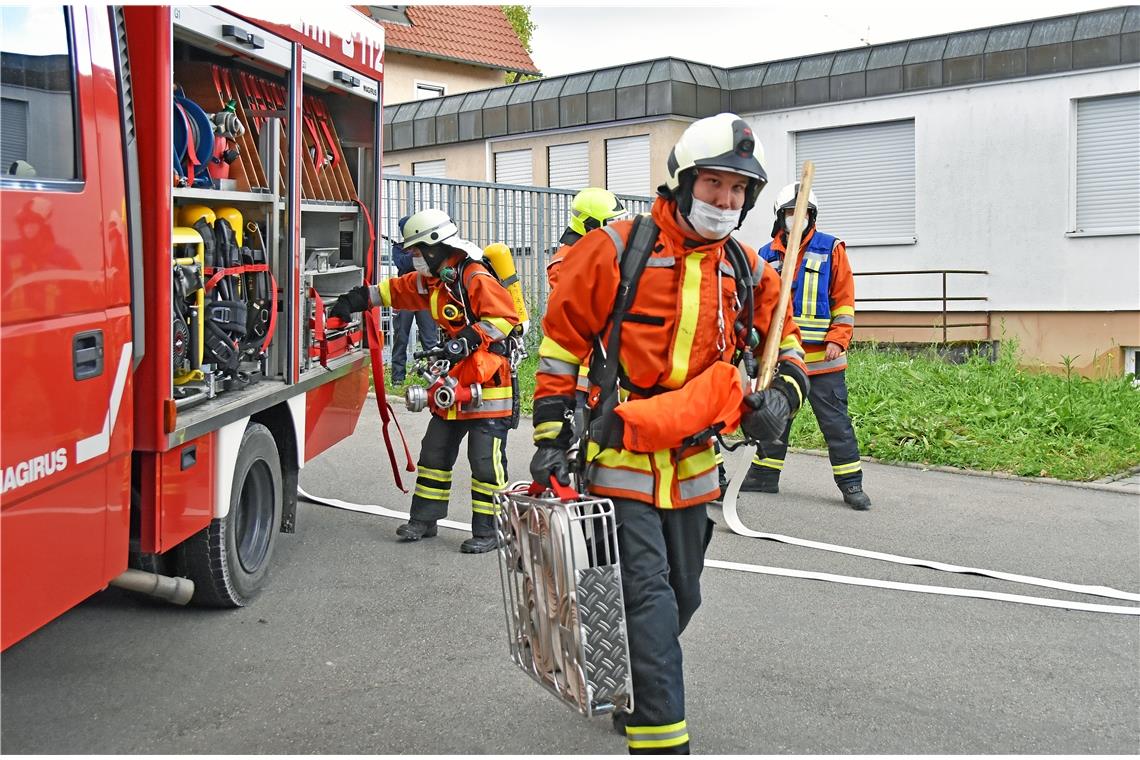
point(591, 36)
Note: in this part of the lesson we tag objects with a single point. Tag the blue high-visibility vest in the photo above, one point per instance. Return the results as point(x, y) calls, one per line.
point(811, 290)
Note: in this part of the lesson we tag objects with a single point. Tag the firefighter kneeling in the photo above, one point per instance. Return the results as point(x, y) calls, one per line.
point(672, 301)
point(473, 396)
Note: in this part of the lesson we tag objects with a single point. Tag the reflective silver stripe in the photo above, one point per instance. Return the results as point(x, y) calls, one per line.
point(661, 261)
point(619, 246)
point(612, 477)
point(778, 264)
point(421, 284)
point(726, 268)
point(510, 281)
point(757, 270)
point(556, 366)
point(839, 362)
point(843, 319)
point(813, 335)
point(493, 332)
point(700, 485)
point(489, 405)
point(791, 353)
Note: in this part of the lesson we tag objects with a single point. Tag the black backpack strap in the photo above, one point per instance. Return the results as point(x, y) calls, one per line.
point(743, 329)
point(632, 258)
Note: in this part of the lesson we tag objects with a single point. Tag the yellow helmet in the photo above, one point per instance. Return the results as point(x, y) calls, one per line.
point(592, 208)
point(234, 217)
point(188, 215)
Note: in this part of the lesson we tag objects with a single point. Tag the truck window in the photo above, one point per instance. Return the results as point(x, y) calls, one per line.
point(37, 94)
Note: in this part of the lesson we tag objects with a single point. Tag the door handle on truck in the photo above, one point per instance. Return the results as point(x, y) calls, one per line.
point(87, 354)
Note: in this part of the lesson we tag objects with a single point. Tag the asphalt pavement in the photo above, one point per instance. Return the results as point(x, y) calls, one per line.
point(361, 644)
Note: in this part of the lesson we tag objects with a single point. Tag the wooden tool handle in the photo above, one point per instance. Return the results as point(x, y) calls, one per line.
point(787, 277)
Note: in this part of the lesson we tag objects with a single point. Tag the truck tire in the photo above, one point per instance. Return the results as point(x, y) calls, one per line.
point(229, 559)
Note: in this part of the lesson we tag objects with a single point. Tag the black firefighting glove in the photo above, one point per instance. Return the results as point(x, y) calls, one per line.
point(463, 344)
point(774, 406)
point(552, 432)
point(354, 300)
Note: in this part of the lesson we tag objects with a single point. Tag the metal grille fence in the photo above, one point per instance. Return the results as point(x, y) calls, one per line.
point(529, 220)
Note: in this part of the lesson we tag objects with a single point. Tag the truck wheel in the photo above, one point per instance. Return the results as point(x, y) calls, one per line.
point(228, 560)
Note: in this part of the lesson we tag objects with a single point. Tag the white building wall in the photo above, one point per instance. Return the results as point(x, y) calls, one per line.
point(994, 167)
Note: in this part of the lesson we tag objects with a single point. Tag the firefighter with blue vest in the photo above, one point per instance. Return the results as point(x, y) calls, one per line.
point(823, 301)
point(478, 318)
point(648, 448)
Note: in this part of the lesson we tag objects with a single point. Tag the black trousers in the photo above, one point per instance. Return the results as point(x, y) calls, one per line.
point(402, 330)
point(662, 556)
point(828, 398)
point(487, 453)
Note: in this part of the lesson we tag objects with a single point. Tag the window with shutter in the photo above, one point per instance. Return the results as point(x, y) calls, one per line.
point(1108, 165)
point(627, 165)
point(569, 166)
point(864, 180)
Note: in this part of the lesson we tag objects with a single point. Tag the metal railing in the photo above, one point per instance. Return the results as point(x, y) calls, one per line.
point(529, 220)
point(945, 299)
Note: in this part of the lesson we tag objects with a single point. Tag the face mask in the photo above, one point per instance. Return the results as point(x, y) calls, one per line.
point(710, 222)
point(790, 218)
point(421, 265)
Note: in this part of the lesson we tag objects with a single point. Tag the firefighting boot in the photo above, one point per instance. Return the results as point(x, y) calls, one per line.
point(479, 544)
point(761, 479)
point(855, 498)
point(414, 530)
point(620, 718)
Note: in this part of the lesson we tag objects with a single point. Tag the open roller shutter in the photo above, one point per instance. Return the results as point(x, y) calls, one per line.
point(433, 169)
point(13, 132)
point(1108, 164)
point(514, 167)
point(864, 180)
point(569, 166)
point(627, 165)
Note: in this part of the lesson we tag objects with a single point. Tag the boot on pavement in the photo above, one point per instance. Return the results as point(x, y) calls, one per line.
point(414, 530)
point(761, 480)
point(855, 498)
point(479, 544)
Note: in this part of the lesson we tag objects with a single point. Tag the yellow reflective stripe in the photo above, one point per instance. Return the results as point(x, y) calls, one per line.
point(697, 464)
point(385, 290)
point(648, 737)
point(494, 394)
point(501, 324)
point(775, 464)
point(815, 356)
point(795, 385)
point(428, 472)
point(790, 342)
point(435, 304)
point(843, 310)
point(551, 349)
point(651, 743)
point(497, 462)
point(545, 431)
point(483, 510)
point(687, 323)
point(846, 469)
point(629, 460)
point(664, 462)
point(435, 494)
point(811, 321)
point(487, 488)
point(810, 294)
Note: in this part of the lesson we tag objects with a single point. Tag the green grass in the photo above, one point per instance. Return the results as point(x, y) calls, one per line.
point(977, 415)
point(986, 416)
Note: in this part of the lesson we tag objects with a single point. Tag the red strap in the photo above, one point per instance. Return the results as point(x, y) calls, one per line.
point(217, 274)
point(376, 349)
point(319, 327)
point(564, 493)
point(318, 149)
point(272, 309)
point(191, 143)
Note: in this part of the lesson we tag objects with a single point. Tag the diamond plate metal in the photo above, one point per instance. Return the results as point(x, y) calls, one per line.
point(602, 616)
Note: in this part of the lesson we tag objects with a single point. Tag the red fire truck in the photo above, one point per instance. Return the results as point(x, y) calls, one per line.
point(183, 191)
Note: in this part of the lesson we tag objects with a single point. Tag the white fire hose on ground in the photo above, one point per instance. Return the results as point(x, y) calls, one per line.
point(734, 523)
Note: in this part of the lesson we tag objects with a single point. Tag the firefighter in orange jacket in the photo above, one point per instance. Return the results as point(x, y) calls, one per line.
point(477, 317)
point(651, 453)
point(591, 208)
point(823, 299)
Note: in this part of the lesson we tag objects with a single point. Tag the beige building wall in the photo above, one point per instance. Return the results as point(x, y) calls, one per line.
point(402, 70)
point(475, 160)
point(1092, 340)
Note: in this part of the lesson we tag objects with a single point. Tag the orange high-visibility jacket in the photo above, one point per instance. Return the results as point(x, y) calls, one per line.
point(841, 294)
point(490, 303)
point(670, 336)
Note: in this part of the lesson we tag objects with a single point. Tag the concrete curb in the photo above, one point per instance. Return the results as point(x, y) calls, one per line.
point(1098, 485)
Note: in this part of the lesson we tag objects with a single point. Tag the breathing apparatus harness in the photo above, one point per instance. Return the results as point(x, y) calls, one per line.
point(605, 374)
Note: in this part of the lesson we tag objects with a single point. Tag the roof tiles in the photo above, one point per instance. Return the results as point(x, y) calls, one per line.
point(479, 34)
